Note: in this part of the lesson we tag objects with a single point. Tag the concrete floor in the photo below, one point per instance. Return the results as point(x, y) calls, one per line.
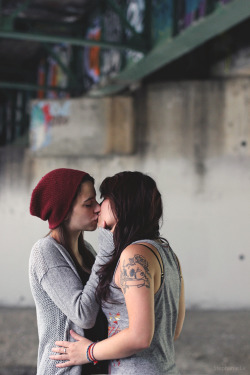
point(212, 342)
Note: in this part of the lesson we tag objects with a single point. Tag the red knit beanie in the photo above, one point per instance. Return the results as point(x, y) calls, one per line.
point(52, 197)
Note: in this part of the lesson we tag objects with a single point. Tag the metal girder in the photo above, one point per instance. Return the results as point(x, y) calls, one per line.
point(30, 87)
point(62, 39)
point(225, 17)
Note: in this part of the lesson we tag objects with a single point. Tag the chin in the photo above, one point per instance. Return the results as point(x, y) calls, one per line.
point(92, 227)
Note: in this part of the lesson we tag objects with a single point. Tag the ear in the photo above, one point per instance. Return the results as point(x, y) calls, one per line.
point(67, 217)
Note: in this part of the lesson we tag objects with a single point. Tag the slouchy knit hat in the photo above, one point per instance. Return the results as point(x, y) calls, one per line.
point(52, 197)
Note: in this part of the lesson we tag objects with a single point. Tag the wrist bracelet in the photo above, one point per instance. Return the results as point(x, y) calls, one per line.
point(87, 352)
point(90, 354)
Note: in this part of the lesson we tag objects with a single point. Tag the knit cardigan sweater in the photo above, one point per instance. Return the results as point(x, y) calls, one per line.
point(61, 302)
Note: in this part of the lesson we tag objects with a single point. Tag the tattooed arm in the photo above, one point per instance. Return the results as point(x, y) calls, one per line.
point(138, 276)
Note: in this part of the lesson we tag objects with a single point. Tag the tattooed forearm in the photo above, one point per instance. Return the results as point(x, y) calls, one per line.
point(135, 273)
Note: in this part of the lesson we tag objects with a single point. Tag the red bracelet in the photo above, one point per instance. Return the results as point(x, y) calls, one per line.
point(90, 353)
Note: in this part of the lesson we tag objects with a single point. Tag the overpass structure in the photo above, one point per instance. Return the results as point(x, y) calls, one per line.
point(96, 48)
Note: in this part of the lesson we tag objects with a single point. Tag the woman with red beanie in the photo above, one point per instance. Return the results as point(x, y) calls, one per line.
point(60, 266)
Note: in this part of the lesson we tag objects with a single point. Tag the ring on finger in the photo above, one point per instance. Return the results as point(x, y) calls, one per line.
point(64, 349)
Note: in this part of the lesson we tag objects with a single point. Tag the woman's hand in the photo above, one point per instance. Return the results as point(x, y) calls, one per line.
point(75, 351)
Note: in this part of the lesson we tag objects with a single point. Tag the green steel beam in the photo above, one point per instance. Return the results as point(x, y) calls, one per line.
point(222, 19)
point(30, 87)
point(61, 39)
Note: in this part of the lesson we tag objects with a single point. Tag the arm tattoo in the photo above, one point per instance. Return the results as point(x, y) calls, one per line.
point(135, 273)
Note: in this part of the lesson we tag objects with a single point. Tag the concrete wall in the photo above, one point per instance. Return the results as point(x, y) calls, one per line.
point(81, 128)
point(193, 138)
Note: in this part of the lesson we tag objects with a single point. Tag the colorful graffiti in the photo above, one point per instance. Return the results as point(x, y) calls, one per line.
point(170, 17)
point(157, 20)
point(45, 115)
point(91, 55)
point(56, 75)
point(111, 59)
point(162, 19)
point(188, 11)
point(50, 73)
point(41, 79)
point(136, 18)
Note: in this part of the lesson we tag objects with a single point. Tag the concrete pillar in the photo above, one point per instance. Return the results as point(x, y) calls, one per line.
point(120, 125)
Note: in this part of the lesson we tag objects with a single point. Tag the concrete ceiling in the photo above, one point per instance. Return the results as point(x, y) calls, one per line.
point(19, 58)
point(53, 9)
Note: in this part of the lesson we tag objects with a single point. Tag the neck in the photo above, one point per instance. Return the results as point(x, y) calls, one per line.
point(72, 240)
point(73, 243)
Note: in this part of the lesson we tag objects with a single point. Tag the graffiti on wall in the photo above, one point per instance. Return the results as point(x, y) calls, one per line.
point(136, 17)
point(56, 75)
point(50, 73)
point(162, 19)
point(170, 17)
point(41, 78)
point(111, 60)
point(91, 55)
point(166, 19)
point(188, 11)
point(45, 115)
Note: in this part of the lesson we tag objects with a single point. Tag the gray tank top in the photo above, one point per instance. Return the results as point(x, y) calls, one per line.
point(159, 358)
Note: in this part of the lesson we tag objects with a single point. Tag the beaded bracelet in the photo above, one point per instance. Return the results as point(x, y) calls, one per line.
point(90, 354)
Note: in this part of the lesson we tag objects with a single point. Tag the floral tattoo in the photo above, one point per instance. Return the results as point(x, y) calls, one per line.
point(135, 273)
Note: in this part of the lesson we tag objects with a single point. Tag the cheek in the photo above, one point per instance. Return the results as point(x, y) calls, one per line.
point(106, 213)
point(81, 215)
point(110, 218)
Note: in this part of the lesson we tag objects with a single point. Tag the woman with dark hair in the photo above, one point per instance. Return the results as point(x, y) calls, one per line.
point(67, 199)
point(140, 288)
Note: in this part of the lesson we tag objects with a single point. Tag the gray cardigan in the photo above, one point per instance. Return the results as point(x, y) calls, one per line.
point(61, 304)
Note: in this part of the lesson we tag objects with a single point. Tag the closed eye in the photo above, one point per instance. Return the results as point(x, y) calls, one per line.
point(88, 204)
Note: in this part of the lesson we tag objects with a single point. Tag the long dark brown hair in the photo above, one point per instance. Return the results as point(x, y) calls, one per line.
point(137, 206)
point(87, 256)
